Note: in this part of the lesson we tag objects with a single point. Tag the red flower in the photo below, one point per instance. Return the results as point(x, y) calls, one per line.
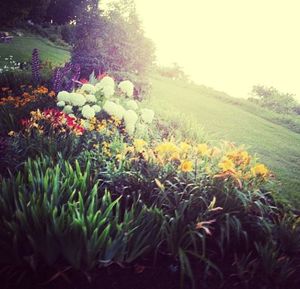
point(70, 121)
point(83, 80)
point(78, 129)
point(25, 122)
point(100, 76)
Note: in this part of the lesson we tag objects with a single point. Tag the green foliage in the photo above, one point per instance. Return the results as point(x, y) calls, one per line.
point(94, 211)
point(38, 11)
point(14, 79)
point(69, 218)
point(275, 100)
point(112, 43)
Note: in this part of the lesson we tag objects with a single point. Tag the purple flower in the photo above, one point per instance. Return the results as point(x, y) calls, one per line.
point(35, 66)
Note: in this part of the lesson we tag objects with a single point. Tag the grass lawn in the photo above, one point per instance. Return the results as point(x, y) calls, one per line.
point(276, 146)
point(21, 48)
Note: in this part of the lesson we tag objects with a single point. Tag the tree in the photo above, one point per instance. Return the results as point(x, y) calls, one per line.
point(173, 72)
point(12, 11)
point(63, 11)
point(89, 32)
point(273, 99)
point(112, 41)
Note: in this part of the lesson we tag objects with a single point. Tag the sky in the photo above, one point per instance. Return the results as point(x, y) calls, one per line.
point(229, 45)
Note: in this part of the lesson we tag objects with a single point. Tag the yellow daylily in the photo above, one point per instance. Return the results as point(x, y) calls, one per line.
point(186, 166)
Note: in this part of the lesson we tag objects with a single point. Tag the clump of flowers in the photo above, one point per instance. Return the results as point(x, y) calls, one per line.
point(229, 164)
point(51, 120)
point(100, 98)
point(64, 78)
point(9, 64)
point(126, 87)
point(26, 95)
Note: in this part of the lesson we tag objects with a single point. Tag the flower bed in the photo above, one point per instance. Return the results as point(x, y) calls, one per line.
point(91, 195)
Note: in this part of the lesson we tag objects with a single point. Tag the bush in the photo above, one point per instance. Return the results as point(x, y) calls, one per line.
point(272, 99)
point(67, 33)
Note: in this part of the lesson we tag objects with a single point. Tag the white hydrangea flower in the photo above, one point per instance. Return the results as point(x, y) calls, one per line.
point(90, 98)
point(126, 87)
point(130, 128)
point(130, 119)
point(119, 113)
point(63, 96)
point(61, 103)
point(77, 99)
point(107, 81)
point(132, 104)
point(147, 115)
point(114, 109)
point(107, 85)
point(68, 109)
point(109, 107)
point(87, 87)
point(88, 111)
point(96, 108)
point(108, 91)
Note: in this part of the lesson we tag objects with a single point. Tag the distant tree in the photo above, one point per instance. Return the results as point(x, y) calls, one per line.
point(174, 72)
point(273, 99)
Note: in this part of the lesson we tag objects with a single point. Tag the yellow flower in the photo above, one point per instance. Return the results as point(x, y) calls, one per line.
point(91, 127)
point(186, 166)
point(245, 157)
point(139, 145)
point(37, 115)
point(175, 156)
point(184, 147)
point(116, 121)
point(120, 157)
point(226, 165)
point(166, 148)
point(260, 170)
point(202, 149)
point(93, 120)
point(239, 157)
point(129, 149)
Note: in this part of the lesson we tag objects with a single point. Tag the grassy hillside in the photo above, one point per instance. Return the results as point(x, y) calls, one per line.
point(21, 48)
point(275, 145)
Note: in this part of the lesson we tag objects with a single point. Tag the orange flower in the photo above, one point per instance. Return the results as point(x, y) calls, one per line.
point(52, 93)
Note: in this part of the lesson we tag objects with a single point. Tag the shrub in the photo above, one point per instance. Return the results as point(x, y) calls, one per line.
point(274, 100)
